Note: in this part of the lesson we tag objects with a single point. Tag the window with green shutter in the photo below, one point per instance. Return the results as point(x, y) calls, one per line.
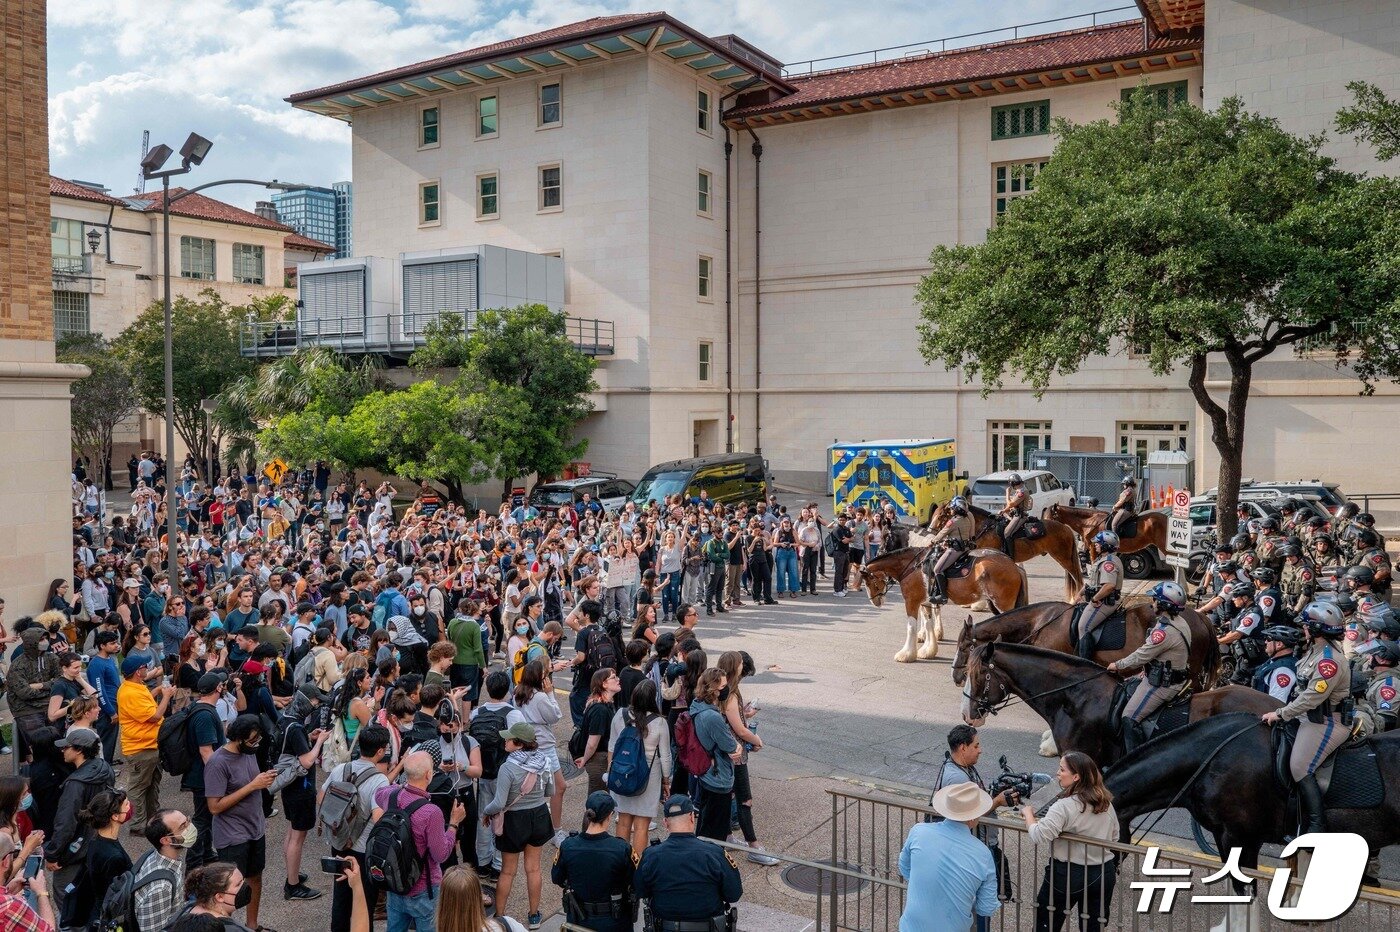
point(1028, 119)
point(1164, 96)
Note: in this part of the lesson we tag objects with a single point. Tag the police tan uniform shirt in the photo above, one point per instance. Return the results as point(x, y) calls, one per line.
point(1169, 641)
point(959, 527)
point(1325, 676)
point(1019, 500)
point(1108, 570)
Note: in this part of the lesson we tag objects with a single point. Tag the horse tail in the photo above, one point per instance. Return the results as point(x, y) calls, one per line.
point(1023, 594)
point(1210, 669)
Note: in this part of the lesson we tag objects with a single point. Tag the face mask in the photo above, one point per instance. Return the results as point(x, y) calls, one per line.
point(396, 655)
point(521, 629)
point(250, 747)
point(43, 646)
point(243, 897)
point(724, 694)
point(419, 610)
point(110, 575)
point(218, 645)
point(26, 801)
point(201, 649)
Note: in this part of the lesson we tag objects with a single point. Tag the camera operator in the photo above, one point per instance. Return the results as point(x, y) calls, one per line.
point(960, 766)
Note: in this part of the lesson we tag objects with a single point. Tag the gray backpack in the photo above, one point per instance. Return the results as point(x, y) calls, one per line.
point(343, 814)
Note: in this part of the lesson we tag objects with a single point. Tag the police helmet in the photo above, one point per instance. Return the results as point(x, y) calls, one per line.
point(1383, 626)
point(1224, 547)
point(1239, 542)
point(1289, 550)
point(957, 506)
point(1349, 509)
point(1106, 540)
point(1380, 651)
point(1014, 479)
point(1361, 575)
point(1323, 539)
point(1129, 481)
point(1288, 506)
point(1264, 575)
point(1316, 522)
point(1345, 604)
point(1366, 519)
point(1228, 567)
point(1322, 619)
point(1284, 634)
point(1242, 510)
point(1368, 538)
point(1269, 523)
point(958, 502)
point(1168, 596)
point(1252, 527)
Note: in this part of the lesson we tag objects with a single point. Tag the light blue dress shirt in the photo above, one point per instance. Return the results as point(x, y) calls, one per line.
point(951, 875)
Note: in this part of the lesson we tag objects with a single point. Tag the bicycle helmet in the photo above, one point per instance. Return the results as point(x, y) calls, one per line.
point(1238, 590)
point(1264, 575)
point(1284, 634)
point(1106, 540)
point(1322, 619)
point(1014, 479)
point(1169, 597)
point(1228, 567)
point(1361, 575)
point(1224, 547)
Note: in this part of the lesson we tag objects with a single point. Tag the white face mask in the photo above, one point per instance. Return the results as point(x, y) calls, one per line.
point(419, 610)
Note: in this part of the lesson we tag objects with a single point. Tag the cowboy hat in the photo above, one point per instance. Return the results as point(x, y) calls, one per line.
point(962, 802)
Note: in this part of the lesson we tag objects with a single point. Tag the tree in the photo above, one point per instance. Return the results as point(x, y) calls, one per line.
point(1191, 233)
point(206, 361)
point(1374, 118)
point(101, 401)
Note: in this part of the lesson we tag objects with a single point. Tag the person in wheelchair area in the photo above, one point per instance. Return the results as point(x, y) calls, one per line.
point(1165, 654)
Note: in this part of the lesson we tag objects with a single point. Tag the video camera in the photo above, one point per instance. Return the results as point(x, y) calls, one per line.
point(1017, 786)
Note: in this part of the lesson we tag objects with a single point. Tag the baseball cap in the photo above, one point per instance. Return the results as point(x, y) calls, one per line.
point(520, 731)
point(209, 682)
point(132, 664)
point(253, 668)
point(310, 691)
point(678, 804)
point(599, 805)
point(84, 738)
point(131, 584)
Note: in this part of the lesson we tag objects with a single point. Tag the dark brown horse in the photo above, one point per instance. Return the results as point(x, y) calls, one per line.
point(993, 578)
point(1047, 624)
point(1074, 695)
point(1059, 543)
point(1086, 522)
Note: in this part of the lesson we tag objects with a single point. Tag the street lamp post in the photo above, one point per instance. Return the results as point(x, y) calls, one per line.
point(192, 153)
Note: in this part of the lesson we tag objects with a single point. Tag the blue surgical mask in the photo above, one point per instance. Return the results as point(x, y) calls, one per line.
point(26, 801)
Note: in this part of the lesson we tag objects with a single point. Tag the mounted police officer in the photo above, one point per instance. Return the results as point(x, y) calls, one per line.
point(1326, 685)
point(689, 884)
point(1267, 596)
point(1126, 506)
point(1278, 675)
point(1297, 581)
point(1166, 654)
point(1017, 507)
point(1376, 710)
point(1245, 639)
point(954, 539)
point(1101, 589)
point(596, 869)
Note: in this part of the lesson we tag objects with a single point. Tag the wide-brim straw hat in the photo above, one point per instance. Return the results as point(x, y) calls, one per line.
point(962, 802)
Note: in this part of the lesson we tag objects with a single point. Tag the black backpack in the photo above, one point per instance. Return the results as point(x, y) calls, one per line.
point(486, 729)
point(391, 853)
point(600, 652)
point(118, 910)
point(177, 755)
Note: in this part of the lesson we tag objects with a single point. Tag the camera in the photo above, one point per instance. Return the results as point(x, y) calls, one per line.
point(1017, 786)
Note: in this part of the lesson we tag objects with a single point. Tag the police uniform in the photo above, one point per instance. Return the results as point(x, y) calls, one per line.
point(689, 883)
point(1266, 550)
point(1166, 653)
point(596, 872)
point(1377, 709)
point(1215, 581)
point(956, 536)
point(1378, 562)
point(1107, 571)
point(1298, 583)
point(1018, 504)
point(1325, 679)
point(1249, 649)
point(1124, 508)
point(1269, 601)
point(1278, 677)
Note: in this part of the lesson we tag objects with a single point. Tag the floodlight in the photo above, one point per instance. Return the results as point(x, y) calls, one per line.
point(195, 149)
point(157, 157)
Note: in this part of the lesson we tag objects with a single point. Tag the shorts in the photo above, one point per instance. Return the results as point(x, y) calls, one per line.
point(250, 857)
point(525, 828)
point(553, 755)
point(300, 806)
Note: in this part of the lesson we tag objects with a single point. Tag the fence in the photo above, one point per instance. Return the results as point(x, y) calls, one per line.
point(397, 334)
point(1091, 475)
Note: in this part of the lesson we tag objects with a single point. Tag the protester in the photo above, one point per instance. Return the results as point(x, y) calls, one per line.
point(139, 713)
point(232, 783)
point(90, 776)
point(104, 858)
point(172, 836)
point(521, 790)
point(431, 836)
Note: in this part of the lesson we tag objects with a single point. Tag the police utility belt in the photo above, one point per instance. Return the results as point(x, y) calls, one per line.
point(1160, 673)
point(619, 906)
point(728, 922)
point(1091, 591)
point(1346, 708)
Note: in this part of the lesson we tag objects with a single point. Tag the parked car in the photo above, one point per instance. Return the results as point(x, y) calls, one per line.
point(1328, 494)
point(725, 478)
point(989, 492)
point(606, 488)
point(1262, 503)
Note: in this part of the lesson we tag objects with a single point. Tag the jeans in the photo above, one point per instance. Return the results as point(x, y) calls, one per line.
point(421, 909)
point(693, 587)
point(714, 589)
point(670, 596)
point(787, 570)
point(841, 569)
point(615, 601)
point(107, 731)
point(486, 853)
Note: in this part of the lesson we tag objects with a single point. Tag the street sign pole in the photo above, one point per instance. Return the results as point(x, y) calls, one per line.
point(1179, 535)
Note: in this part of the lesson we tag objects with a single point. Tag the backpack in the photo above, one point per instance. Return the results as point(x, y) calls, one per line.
point(600, 652)
point(337, 749)
point(382, 606)
point(689, 751)
point(299, 654)
point(288, 766)
point(343, 815)
point(305, 666)
point(173, 741)
point(629, 771)
point(118, 910)
point(486, 729)
point(391, 854)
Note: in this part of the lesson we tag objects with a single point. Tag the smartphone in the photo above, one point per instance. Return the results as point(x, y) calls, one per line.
point(32, 865)
point(334, 865)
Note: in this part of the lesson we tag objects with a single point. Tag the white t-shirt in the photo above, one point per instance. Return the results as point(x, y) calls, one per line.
point(372, 785)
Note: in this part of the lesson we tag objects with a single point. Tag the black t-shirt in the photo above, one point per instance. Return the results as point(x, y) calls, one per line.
point(296, 742)
point(597, 720)
point(842, 535)
point(206, 729)
point(630, 677)
point(68, 689)
point(106, 861)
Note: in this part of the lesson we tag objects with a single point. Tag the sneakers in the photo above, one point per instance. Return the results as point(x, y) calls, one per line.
point(758, 856)
point(299, 892)
point(534, 920)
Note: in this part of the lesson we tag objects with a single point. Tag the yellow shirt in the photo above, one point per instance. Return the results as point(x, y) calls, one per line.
point(135, 706)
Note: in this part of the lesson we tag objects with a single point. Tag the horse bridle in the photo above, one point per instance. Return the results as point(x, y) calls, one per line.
point(981, 709)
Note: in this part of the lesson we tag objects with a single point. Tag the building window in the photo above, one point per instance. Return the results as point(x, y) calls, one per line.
point(707, 355)
point(1011, 442)
point(1163, 96)
point(488, 196)
point(551, 187)
point(67, 236)
point(487, 117)
point(702, 193)
point(196, 258)
point(1010, 181)
point(70, 314)
point(428, 207)
point(427, 127)
point(551, 104)
point(247, 264)
point(704, 284)
point(702, 111)
point(1140, 438)
point(1028, 119)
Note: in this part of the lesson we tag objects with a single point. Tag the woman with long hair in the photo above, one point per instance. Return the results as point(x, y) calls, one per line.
point(634, 813)
point(735, 665)
point(104, 861)
point(138, 644)
point(459, 906)
point(645, 626)
point(350, 708)
point(535, 699)
point(1078, 874)
point(597, 718)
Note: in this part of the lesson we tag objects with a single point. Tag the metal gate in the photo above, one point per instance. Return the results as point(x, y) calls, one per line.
point(1091, 475)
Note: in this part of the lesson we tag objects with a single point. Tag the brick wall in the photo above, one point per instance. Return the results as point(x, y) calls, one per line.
point(26, 286)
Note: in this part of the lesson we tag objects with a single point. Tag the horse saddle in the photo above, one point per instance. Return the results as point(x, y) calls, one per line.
point(1175, 714)
point(1350, 779)
point(1128, 528)
point(956, 570)
point(1111, 635)
point(1030, 529)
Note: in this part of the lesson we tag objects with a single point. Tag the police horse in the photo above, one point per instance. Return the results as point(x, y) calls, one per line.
point(1138, 532)
point(1038, 537)
point(981, 575)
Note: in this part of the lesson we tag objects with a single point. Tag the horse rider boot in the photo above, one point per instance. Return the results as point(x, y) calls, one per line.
point(955, 537)
point(1325, 678)
point(1101, 589)
point(1125, 507)
point(1166, 653)
point(1018, 505)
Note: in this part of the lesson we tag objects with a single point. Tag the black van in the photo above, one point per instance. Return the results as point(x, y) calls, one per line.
point(725, 477)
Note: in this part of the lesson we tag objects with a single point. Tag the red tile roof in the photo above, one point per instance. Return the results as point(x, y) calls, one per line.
point(199, 207)
point(1050, 52)
point(297, 241)
point(1174, 16)
point(58, 187)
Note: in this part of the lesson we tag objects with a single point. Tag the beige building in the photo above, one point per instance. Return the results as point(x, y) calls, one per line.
point(753, 232)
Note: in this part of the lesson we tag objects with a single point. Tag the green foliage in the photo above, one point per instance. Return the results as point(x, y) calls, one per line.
point(102, 400)
point(1374, 119)
point(426, 431)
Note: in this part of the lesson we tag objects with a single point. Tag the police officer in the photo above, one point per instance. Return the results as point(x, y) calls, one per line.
point(1244, 552)
point(1289, 515)
point(1326, 684)
point(1018, 505)
point(1100, 590)
point(1297, 581)
point(953, 539)
point(1246, 633)
point(1371, 555)
point(1278, 675)
point(1166, 653)
point(690, 884)
point(1376, 711)
point(1126, 506)
point(1341, 523)
point(1267, 596)
point(596, 869)
point(1325, 559)
point(1222, 571)
point(1266, 546)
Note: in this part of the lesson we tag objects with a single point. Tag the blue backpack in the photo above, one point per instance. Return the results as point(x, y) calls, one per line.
point(630, 771)
point(379, 617)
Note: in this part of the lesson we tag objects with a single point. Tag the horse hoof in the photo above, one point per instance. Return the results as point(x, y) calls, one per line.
point(981, 605)
point(904, 656)
point(928, 650)
point(1047, 745)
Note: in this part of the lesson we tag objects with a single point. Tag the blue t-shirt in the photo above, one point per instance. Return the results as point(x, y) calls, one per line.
point(102, 674)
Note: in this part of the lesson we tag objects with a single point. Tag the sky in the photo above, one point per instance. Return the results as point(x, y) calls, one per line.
point(221, 68)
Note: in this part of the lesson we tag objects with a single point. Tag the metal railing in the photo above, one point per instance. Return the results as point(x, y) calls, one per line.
point(894, 52)
point(69, 265)
point(1364, 499)
point(397, 334)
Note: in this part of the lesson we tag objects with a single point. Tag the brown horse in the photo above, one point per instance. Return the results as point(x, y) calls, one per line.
point(1047, 624)
point(993, 578)
point(1086, 522)
point(1059, 543)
